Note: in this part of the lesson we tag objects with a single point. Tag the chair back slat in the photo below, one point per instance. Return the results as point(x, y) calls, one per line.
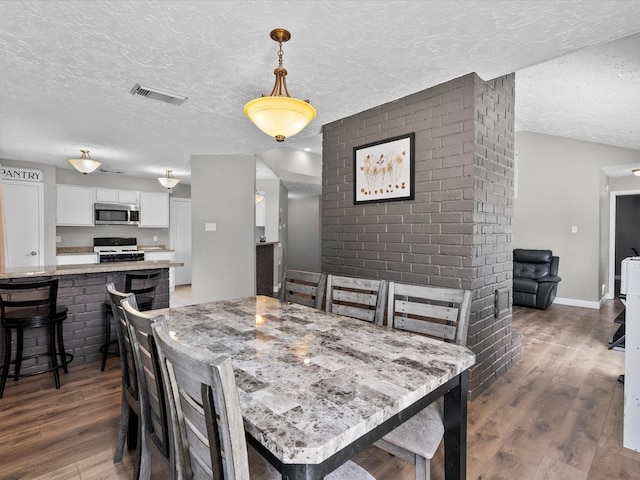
point(28, 300)
point(127, 362)
point(360, 298)
point(143, 286)
point(437, 312)
point(206, 415)
point(152, 394)
point(304, 288)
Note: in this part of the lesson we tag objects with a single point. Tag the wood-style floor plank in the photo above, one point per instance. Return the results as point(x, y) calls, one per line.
point(557, 414)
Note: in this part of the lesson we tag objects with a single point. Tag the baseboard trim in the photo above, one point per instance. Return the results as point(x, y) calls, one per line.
point(579, 303)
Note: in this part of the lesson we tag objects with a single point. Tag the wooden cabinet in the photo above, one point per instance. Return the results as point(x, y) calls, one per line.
point(114, 195)
point(74, 205)
point(154, 210)
point(77, 259)
point(151, 255)
point(264, 269)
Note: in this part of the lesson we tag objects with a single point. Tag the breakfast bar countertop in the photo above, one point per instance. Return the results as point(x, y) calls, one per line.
point(57, 270)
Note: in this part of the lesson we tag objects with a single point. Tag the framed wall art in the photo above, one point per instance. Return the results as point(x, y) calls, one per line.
point(384, 171)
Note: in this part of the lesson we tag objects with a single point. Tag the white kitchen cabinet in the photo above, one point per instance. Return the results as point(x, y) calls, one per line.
point(77, 259)
point(261, 212)
point(154, 209)
point(151, 255)
point(114, 195)
point(74, 205)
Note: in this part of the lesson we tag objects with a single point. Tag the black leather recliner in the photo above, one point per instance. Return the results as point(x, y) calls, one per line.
point(535, 278)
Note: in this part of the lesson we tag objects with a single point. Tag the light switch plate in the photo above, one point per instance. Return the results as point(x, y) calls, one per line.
point(210, 227)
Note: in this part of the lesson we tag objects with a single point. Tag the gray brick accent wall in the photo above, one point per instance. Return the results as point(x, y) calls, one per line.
point(83, 331)
point(456, 233)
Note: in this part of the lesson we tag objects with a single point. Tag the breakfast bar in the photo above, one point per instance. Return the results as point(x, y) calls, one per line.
point(82, 289)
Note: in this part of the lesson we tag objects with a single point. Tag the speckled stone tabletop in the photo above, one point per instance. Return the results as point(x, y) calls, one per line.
point(312, 382)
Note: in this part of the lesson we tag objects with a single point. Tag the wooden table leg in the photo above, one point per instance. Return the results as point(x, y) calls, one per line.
point(455, 431)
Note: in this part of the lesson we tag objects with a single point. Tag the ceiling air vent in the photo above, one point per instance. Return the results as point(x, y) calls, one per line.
point(155, 94)
point(117, 172)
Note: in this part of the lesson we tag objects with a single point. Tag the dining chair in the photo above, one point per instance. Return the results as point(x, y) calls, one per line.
point(155, 438)
point(361, 298)
point(129, 431)
point(143, 286)
point(304, 288)
point(441, 313)
point(207, 419)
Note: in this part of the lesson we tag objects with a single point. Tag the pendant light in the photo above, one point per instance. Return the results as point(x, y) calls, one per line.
point(278, 114)
point(636, 172)
point(169, 181)
point(259, 197)
point(85, 163)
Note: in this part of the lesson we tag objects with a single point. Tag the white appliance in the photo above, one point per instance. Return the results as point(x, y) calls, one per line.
point(630, 286)
point(117, 249)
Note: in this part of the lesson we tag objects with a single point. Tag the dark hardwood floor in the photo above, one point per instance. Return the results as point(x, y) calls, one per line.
point(557, 414)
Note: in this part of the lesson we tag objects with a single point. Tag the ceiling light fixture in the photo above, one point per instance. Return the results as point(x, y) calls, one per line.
point(85, 163)
point(279, 115)
point(259, 197)
point(636, 172)
point(168, 181)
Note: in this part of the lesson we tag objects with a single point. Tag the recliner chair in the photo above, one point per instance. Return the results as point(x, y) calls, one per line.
point(535, 278)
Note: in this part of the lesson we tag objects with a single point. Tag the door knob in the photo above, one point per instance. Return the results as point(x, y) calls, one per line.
point(34, 253)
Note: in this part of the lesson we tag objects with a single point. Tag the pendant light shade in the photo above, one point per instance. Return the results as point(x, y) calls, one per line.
point(169, 181)
point(636, 172)
point(278, 114)
point(259, 197)
point(85, 163)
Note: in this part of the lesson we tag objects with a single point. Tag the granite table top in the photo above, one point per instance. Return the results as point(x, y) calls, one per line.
point(312, 382)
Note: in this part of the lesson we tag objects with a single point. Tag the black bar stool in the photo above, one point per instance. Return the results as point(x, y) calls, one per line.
point(32, 305)
point(143, 286)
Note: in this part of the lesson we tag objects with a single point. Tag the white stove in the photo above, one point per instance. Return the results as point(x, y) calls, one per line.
point(117, 249)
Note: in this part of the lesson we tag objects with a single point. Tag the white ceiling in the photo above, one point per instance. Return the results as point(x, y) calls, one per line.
point(67, 67)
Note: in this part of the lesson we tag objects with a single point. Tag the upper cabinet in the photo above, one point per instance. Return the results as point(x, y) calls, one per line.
point(113, 195)
point(154, 209)
point(74, 205)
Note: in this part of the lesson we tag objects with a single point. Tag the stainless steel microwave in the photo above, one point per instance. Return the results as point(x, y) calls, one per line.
point(116, 214)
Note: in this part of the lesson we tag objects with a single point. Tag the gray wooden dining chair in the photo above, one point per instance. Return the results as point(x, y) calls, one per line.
point(129, 430)
point(304, 288)
point(361, 298)
point(207, 418)
point(441, 313)
point(155, 437)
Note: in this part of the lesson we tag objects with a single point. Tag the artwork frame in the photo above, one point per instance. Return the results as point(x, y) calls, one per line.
point(384, 171)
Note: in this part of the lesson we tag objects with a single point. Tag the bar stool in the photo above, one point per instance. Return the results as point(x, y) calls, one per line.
point(143, 286)
point(30, 305)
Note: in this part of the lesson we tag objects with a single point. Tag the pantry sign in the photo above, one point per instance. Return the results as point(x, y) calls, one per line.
point(23, 174)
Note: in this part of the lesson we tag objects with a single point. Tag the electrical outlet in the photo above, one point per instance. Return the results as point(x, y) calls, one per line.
point(58, 238)
point(155, 238)
point(574, 229)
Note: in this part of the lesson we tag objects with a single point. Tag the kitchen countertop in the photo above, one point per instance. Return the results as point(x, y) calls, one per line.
point(58, 270)
point(89, 250)
point(261, 244)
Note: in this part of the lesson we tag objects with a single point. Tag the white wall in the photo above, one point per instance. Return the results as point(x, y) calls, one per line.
point(304, 234)
point(223, 192)
point(560, 185)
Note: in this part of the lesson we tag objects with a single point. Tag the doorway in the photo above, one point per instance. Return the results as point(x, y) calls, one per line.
point(180, 237)
point(24, 222)
point(623, 212)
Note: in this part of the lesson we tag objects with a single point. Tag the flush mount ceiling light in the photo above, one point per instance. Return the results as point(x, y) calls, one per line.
point(636, 172)
point(278, 114)
point(169, 181)
point(85, 163)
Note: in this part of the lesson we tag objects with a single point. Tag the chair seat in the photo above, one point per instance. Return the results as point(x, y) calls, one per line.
point(33, 316)
point(261, 469)
point(421, 434)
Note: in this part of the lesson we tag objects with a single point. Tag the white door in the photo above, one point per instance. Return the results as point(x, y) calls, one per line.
point(23, 207)
point(180, 232)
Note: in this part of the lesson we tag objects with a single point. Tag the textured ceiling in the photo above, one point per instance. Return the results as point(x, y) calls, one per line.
point(68, 67)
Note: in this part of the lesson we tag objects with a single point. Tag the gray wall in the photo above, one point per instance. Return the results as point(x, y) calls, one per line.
point(561, 184)
point(457, 231)
point(304, 234)
point(223, 192)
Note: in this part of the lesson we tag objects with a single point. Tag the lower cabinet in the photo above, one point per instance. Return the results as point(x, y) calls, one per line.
point(264, 269)
point(78, 259)
point(151, 255)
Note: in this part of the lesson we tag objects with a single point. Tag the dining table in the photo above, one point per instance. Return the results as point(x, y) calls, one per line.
point(316, 388)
